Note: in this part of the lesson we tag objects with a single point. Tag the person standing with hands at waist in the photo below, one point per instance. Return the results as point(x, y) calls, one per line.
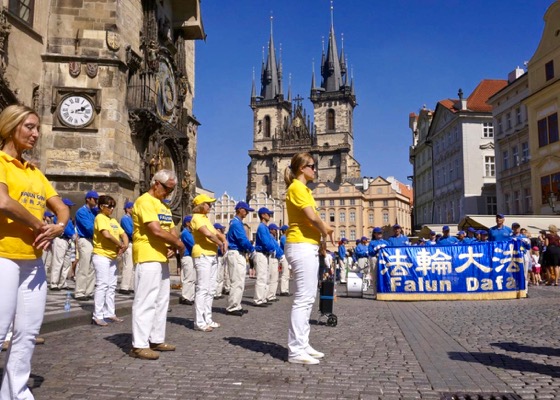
point(239, 247)
point(188, 274)
point(265, 247)
point(24, 195)
point(155, 241)
point(207, 241)
point(305, 233)
point(127, 281)
point(85, 276)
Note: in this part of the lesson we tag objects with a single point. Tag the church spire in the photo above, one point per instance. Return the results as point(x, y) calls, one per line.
point(331, 69)
point(271, 78)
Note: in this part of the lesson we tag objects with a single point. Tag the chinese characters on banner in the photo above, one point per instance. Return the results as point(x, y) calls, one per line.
point(491, 270)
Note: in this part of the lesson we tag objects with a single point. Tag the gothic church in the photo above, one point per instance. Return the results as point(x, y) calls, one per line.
point(282, 127)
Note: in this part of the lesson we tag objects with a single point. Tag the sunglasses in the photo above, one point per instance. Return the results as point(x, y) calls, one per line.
point(312, 166)
point(166, 188)
point(107, 206)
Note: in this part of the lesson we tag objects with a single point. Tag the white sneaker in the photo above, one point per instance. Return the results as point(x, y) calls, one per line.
point(314, 353)
point(214, 325)
point(303, 359)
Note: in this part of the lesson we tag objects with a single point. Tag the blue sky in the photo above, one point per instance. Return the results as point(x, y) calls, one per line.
point(403, 54)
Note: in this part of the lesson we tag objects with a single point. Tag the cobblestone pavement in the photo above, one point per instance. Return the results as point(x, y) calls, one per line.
point(379, 350)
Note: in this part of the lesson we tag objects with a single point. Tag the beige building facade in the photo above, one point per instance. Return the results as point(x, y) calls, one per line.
point(511, 145)
point(543, 104)
point(113, 82)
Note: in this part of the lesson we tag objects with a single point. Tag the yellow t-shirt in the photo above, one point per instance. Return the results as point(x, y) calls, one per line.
point(300, 229)
point(202, 245)
point(101, 245)
point(29, 187)
point(148, 248)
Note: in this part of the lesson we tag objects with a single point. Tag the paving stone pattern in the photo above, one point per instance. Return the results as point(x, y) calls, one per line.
point(379, 350)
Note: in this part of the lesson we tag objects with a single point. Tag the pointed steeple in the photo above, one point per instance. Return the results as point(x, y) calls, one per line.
point(271, 79)
point(313, 85)
point(253, 89)
point(289, 87)
point(342, 59)
point(331, 70)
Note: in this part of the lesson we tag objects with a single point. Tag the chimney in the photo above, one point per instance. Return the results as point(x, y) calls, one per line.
point(516, 73)
point(365, 183)
point(462, 102)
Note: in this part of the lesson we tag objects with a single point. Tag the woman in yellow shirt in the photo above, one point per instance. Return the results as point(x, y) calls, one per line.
point(305, 233)
point(24, 195)
point(207, 240)
point(109, 242)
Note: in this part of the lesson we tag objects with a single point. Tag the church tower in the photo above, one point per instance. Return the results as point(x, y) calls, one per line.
point(333, 114)
point(282, 127)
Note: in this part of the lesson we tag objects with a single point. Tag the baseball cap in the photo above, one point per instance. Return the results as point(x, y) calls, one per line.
point(48, 214)
point(264, 210)
point(202, 198)
point(188, 218)
point(363, 239)
point(432, 232)
point(217, 225)
point(128, 204)
point(92, 194)
point(243, 206)
point(471, 229)
point(377, 230)
point(483, 232)
point(273, 227)
point(515, 225)
point(500, 216)
point(461, 233)
point(396, 226)
point(68, 202)
point(284, 228)
point(344, 240)
point(445, 228)
point(535, 248)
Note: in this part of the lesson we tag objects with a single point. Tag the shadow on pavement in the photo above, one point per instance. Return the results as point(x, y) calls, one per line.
point(186, 322)
point(506, 362)
point(260, 346)
point(122, 340)
point(522, 348)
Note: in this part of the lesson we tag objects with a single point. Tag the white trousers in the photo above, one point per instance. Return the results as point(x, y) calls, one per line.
point(151, 302)
point(374, 271)
point(237, 267)
point(222, 276)
point(85, 278)
point(206, 270)
point(23, 295)
point(285, 276)
point(272, 278)
point(188, 278)
point(60, 263)
point(261, 286)
point(304, 259)
point(127, 268)
point(105, 285)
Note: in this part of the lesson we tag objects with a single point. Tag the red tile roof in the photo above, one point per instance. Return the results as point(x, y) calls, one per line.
point(477, 101)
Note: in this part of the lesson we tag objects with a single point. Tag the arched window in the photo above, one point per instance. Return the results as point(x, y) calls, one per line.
point(266, 127)
point(330, 120)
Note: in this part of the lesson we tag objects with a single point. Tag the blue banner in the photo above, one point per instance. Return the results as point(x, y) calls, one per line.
point(491, 270)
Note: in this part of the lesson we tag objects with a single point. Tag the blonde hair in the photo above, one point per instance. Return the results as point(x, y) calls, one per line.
point(12, 117)
point(298, 160)
point(552, 228)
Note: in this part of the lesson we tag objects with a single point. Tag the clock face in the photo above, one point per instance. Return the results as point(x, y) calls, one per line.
point(166, 92)
point(76, 111)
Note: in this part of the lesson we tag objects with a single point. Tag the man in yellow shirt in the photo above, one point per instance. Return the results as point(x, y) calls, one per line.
point(155, 240)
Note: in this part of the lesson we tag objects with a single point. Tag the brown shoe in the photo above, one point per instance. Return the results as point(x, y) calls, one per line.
point(5, 345)
point(39, 340)
point(162, 347)
point(143, 354)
